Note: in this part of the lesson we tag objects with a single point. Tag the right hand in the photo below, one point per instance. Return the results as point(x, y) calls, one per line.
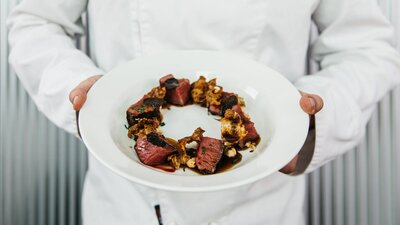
point(311, 104)
point(78, 95)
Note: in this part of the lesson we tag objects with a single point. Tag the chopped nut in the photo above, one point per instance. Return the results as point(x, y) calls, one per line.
point(157, 92)
point(232, 128)
point(184, 159)
point(228, 144)
point(251, 145)
point(214, 95)
point(191, 163)
point(199, 89)
point(143, 127)
point(230, 152)
point(174, 161)
point(241, 101)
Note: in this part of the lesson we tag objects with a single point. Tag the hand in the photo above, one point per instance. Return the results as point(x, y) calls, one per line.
point(310, 104)
point(78, 95)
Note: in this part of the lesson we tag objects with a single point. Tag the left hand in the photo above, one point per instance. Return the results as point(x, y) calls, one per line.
point(310, 104)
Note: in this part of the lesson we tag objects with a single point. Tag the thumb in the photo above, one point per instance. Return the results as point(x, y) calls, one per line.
point(79, 94)
point(311, 103)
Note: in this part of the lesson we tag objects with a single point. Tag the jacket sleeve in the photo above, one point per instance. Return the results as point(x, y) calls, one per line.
point(359, 65)
point(44, 55)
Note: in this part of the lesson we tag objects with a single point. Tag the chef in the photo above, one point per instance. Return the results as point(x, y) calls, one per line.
point(354, 50)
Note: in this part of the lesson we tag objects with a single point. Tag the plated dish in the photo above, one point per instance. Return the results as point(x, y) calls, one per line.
point(271, 101)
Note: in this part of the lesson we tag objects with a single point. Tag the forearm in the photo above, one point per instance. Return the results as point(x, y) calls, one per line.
point(45, 58)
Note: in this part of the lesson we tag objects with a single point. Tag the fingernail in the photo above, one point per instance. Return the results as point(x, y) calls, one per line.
point(313, 104)
point(75, 99)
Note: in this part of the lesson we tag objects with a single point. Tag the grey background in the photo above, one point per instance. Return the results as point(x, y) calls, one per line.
point(42, 168)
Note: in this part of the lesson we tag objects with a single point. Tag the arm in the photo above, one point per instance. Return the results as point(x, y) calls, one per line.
point(44, 56)
point(358, 67)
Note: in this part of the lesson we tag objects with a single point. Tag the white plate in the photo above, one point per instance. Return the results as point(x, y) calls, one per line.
point(271, 101)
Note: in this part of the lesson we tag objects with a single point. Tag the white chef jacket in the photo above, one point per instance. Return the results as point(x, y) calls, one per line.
point(354, 50)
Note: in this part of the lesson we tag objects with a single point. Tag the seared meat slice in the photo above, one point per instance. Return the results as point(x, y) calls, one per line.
point(209, 153)
point(227, 101)
point(215, 109)
point(165, 78)
point(153, 149)
point(179, 95)
point(252, 137)
point(232, 128)
point(178, 91)
point(144, 108)
point(241, 113)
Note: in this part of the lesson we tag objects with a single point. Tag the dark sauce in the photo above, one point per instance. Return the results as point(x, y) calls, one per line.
point(224, 164)
point(172, 142)
point(196, 171)
point(258, 141)
point(166, 106)
point(227, 163)
point(191, 152)
point(246, 148)
point(165, 167)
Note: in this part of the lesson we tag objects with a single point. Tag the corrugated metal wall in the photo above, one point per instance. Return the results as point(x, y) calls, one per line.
point(42, 168)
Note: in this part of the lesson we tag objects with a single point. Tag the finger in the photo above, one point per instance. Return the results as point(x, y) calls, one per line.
point(79, 98)
point(311, 103)
point(79, 94)
point(290, 167)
